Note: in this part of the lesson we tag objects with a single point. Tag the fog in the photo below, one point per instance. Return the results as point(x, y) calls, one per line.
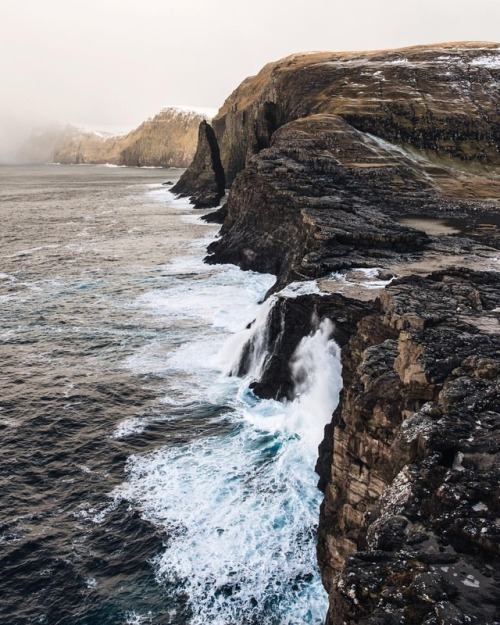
point(103, 62)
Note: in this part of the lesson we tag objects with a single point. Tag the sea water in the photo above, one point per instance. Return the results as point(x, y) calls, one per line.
point(141, 482)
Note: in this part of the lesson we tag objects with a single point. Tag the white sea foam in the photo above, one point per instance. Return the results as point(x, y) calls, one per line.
point(295, 289)
point(133, 618)
point(222, 295)
point(256, 336)
point(239, 509)
point(316, 371)
point(109, 165)
point(129, 427)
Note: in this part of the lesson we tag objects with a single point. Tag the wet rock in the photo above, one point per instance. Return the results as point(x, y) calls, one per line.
point(291, 319)
point(416, 460)
point(324, 154)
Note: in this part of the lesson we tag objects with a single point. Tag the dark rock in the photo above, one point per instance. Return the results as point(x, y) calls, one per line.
point(207, 185)
point(325, 154)
point(216, 216)
point(412, 473)
point(438, 98)
point(291, 319)
point(319, 200)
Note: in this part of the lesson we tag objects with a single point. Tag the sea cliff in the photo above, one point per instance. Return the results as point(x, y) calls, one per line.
point(330, 158)
point(168, 139)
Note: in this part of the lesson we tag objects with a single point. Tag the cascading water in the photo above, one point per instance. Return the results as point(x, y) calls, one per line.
point(238, 502)
point(316, 372)
point(250, 344)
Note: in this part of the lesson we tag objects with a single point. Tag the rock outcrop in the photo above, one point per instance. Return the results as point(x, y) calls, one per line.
point(167, 140)
point(440, 100)
point(409, 527)
point(326, 154)
point(209, 180)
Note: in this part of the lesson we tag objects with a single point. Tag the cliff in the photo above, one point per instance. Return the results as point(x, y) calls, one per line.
point(408, 529)
point(330, 158)
point(441, 101)
point(410, 464)
point(168, 139)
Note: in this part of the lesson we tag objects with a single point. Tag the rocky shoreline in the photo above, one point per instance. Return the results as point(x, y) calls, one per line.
point(325, 153)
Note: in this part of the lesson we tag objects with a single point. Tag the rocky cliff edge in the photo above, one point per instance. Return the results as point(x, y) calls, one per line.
point(330, 156)
point(168, 139)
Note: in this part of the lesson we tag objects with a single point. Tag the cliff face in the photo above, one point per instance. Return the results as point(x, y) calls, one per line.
point(167, 140)
point(326, 154)
point(410, 464)
point(440, 99)
point(408, 529)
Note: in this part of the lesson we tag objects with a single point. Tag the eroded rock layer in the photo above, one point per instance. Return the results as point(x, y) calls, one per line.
point(409, 529)
point(326, 154)
point(441, 100)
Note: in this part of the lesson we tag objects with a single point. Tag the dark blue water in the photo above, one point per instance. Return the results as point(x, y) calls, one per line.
point(138, 482)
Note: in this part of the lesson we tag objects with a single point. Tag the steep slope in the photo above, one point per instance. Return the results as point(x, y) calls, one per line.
point(442, 99)
point(408, 530)
point(325, 154)
point(167, 140)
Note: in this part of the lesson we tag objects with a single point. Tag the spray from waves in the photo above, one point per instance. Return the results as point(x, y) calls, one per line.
point(315, 365)
point(239, 509)
point(252, 341)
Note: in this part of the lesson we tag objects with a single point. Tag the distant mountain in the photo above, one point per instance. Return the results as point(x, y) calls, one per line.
point(166, 140)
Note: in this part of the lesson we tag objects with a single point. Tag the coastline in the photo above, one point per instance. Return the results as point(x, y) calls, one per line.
point(410, 462)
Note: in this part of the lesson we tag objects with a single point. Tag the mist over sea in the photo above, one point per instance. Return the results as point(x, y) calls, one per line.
point(139, 481)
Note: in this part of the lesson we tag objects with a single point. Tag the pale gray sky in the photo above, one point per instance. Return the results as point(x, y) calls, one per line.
point(119, 61)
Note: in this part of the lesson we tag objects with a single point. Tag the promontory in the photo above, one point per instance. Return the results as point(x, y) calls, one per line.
point(377, 175)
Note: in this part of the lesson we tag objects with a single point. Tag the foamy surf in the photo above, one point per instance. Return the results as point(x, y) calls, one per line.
point(238, 505)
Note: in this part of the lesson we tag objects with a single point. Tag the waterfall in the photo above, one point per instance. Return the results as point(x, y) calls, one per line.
point(248, 350)
point(316, 372)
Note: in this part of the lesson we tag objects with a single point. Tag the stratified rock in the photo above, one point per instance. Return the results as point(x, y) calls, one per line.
point(408, 531)
point(210, 180)
point(325, 153)
point(438, 98)
point(320, 199)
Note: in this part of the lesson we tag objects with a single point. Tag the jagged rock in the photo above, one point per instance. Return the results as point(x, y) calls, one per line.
point(439, 98)
point(325, 152)
point(320, 199)
point(216, 216)
point(210, 179)
point(413, 485)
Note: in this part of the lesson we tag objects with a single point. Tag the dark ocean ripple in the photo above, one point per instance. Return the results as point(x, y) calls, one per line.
point(140, 484)
point(78, 245)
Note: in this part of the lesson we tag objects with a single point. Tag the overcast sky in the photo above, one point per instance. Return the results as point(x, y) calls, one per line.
point(117, 62)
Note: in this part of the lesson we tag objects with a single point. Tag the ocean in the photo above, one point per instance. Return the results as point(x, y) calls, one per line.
point(141, 482)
